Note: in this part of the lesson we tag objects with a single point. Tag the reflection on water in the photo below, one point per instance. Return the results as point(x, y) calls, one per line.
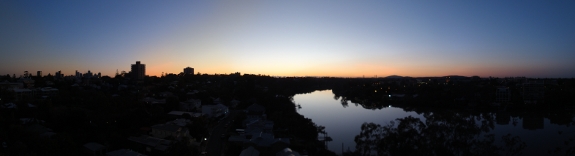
point(458, 132)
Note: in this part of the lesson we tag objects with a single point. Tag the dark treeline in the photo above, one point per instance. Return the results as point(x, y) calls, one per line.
point(439, 92)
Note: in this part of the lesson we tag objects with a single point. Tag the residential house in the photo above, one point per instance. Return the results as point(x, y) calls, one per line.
point(166, 130)
point(287, 152)
point(95, 149)
point(258, 133)
point(180, 122)
point(148, 144)
point(250, 151)
point(153, 101)
point(181, 113)
point(255, 111)
point(234, 103)
point(190, 105)
point(123, 152)
point(48, 91)
point(215, 110)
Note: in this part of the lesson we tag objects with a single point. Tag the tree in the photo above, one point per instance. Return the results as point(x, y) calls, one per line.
point(452, 134)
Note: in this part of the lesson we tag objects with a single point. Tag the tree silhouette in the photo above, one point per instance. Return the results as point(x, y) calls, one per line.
point(452, 134)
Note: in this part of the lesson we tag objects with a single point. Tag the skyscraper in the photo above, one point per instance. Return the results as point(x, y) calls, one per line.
point(188, 71)
point(88, 75)
point(138, 71)
point(59, 75)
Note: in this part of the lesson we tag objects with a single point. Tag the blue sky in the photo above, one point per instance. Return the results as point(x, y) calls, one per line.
point(291, 38)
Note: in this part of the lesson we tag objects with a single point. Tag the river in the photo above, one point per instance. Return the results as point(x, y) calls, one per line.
point(343, 122)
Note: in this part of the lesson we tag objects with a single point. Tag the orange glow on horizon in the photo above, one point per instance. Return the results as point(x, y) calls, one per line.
point(359, 72)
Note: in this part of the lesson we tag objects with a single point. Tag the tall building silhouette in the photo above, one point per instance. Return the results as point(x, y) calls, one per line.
point(138, 71)
point(59, 74)
point(78, 74)
point(188, 71)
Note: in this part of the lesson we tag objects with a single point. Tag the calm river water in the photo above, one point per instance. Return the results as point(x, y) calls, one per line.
point(344, 123)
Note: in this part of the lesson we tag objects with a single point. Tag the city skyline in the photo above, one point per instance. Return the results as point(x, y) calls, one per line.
point(295, 38)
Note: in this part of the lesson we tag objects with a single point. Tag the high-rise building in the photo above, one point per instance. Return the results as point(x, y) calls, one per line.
point(188, 71)
point(78, 74)
point(88, 75)
point(59, 75)
point(138, 71)
point(39, 74)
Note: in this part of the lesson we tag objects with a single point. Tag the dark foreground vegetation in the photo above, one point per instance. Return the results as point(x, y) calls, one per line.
point(59, 115)
point(459, 115)
point(110, 110)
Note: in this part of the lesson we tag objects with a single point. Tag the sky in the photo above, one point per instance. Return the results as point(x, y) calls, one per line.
point(291, 38)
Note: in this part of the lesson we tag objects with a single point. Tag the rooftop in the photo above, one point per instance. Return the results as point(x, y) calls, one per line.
point(156, 143)
point(124, 152)
point(167, 127)
point(92, 146)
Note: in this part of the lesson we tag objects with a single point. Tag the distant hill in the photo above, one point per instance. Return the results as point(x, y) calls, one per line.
point(394, 77)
